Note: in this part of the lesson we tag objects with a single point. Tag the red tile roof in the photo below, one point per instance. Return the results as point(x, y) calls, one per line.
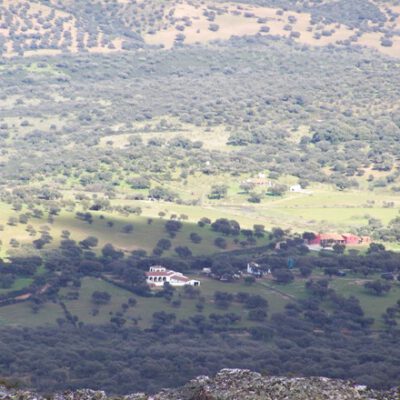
point(160, 273)
point(330, 236)
point(172, 274)
point(180, 278)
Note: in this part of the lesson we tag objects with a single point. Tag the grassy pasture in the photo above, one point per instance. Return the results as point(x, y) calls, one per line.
point(144, 236)
point(152, 130)
point(141, 314)
point(373, 306)
point(18, 284)
point(21, 314)
point(324, 210)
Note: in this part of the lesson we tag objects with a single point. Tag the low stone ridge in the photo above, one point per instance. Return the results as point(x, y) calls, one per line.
point(234, 384)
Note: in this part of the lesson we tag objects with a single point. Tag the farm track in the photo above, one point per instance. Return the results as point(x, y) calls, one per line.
point(281, 293)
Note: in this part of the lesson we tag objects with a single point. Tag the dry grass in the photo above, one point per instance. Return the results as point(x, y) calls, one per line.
point(232, 21)
point(373, 40)
point(152, 130)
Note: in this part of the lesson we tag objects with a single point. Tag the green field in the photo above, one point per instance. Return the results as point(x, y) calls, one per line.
point(342, 212)
point(278, 296)
point(21, 314)
point(144, 235)
point(373, 306)
point(141, 314)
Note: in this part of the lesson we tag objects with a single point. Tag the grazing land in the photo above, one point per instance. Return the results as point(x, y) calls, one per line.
point(78, 301)
point(217, 139)
point(35, 27)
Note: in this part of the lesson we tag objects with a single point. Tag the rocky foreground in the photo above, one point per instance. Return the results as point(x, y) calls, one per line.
point(235, 384)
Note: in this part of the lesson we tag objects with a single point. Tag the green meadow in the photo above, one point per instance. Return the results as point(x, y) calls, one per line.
point(21, 314)
point(321, 209)
point(79, 303)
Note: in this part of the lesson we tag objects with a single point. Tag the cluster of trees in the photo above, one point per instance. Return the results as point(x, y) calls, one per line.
point(302, 340)
point(377, 230)
point(256, 304)
point(226, 227)
point(290, 338)
point(82, 26)
point(148, 165)
point(378, 287)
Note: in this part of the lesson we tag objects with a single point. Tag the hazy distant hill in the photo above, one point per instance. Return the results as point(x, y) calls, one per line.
point(29, 27)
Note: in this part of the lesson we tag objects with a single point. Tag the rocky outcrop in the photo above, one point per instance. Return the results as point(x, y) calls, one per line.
point(235, 384)
point(247, 385)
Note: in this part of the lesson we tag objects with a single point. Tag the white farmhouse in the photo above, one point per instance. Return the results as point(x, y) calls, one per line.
point(158, 275)
point(296, 188)
point(254, 269)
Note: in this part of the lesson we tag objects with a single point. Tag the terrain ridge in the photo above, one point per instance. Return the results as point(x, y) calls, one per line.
point(235, 384)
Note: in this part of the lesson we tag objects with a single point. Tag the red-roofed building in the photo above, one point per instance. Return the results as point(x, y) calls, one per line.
point(351, 239)
point(159, 275)
point(330, 239)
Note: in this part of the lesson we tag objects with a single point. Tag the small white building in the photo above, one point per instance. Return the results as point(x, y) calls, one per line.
point(159, 275)
point(296, 188)
point(254, 269)
point(257, 270)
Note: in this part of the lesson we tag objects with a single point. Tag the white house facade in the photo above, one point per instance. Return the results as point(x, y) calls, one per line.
point(159, 275)
point(296, 188)
point(256, 270)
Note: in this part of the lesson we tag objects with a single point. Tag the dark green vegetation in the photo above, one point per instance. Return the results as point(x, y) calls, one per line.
point(118, 155)
point(347, 132)
point(78, 136)
point(129, 360)
point(107, 330)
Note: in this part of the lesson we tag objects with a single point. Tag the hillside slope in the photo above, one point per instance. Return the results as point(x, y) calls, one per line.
point(51, 27)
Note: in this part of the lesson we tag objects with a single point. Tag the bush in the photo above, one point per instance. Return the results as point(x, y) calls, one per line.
point(101, 298)
point(195, 237)
point(183, 251)
point(213, 27)
point(220, 242)
point(378, 288)
point(164, 244)
point(282, 275)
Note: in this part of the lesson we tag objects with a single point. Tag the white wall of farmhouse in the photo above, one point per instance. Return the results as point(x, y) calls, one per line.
point(158, 276)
